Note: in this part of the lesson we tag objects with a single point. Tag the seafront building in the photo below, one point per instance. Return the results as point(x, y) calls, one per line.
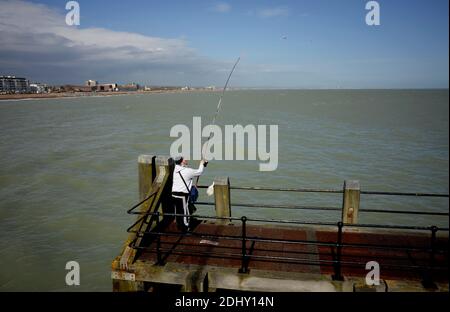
point(17, 85)
point(38, 88)
point(13, 84)
point(107, 87)
point(91, 83)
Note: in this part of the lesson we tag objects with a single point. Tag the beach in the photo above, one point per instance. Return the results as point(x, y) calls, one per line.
point(56, 95)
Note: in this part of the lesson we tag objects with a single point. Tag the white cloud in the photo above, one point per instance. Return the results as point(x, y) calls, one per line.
point(222, 7)
point(273, 12)
point(18, 17)
point(35, 41)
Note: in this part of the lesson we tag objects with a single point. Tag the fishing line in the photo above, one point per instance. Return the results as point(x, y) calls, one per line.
point(219, 105)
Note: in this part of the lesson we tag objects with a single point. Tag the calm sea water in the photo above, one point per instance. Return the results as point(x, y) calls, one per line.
point(69, 166)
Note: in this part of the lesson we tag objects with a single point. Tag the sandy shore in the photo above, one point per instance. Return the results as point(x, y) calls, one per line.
point(82, 94)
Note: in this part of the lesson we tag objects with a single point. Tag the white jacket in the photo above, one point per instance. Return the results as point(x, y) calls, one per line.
point(188, 175)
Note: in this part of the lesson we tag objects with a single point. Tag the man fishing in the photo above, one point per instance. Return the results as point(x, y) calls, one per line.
point(182, 189)
point(183, 176)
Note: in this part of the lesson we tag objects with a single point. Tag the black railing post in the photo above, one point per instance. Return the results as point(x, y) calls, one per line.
point(337, 261)
point(158, 240)
point(428, 280)
point(243, 268)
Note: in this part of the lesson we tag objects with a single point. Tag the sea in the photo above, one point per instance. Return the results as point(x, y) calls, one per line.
point(69, 172)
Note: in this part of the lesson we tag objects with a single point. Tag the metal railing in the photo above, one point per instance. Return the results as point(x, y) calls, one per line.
point(427, 268)
point(337, 262)
point(330, 191)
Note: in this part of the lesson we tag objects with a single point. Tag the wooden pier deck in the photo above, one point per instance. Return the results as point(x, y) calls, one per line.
point(224, 253)
point(197, 248)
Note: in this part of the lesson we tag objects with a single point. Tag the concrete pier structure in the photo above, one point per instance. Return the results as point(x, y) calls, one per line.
point(223, 252)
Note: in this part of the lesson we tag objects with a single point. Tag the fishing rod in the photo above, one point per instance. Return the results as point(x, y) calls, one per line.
point(219, 105)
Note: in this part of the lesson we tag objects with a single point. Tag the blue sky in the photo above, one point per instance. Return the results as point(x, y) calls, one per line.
point(283, 44)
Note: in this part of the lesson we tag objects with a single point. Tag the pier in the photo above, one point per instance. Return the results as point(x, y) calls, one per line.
point(223, 252)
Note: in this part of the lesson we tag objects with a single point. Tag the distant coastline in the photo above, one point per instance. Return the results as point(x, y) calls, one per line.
point(55, 95)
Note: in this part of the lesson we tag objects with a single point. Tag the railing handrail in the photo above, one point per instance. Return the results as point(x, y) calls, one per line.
point(288, 241)
point(333, 191)
point(351, 191)
point(337, 261)
point(297, 222)
point(297, 207)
